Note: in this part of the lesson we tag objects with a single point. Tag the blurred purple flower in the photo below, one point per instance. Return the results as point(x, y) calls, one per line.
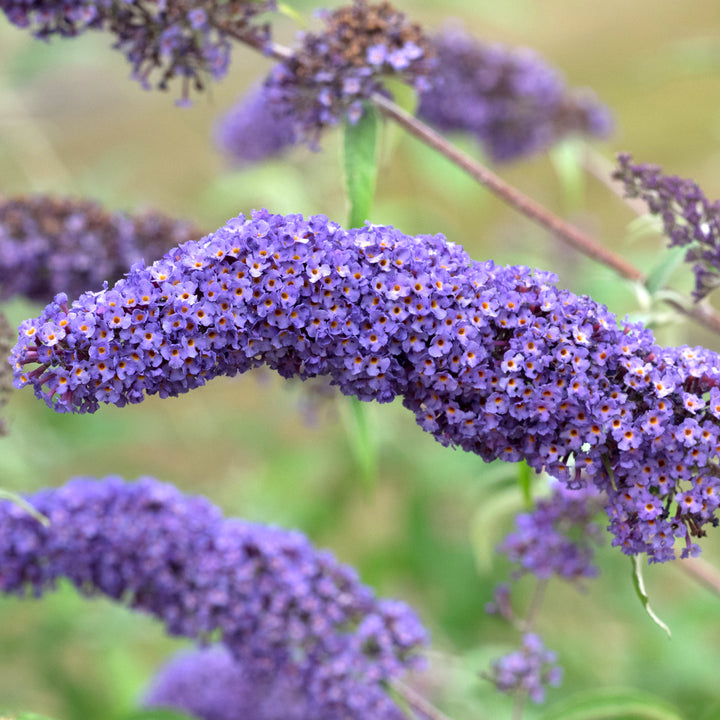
point(49, 245)
point(182, 38)
point(211, 684)
point(527, 670)
point(556, 537)
point(254, 129)
point(511, 100)
point(279, 605)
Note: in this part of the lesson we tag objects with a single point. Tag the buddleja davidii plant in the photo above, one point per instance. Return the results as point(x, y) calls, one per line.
point(442, 419)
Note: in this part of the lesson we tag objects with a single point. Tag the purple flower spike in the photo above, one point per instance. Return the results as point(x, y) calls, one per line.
point(333, 71)
point(7, 335)
point(49, 245)
point(557, 537)
point(281, 607)
point(527, 670)
point(254, 129)
point(511, 100)
point(689, 218)
point(180, 38)
point(497, 361)
point(212, 685)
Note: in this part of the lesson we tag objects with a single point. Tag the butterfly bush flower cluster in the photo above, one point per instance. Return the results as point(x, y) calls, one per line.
point(189, 39)
point(556, 538)
point(497, 361)
point(7, 337)
point(211, 684)
point(511, 100)
point(528, 670)
point(689, 219)
point(49, 245)
point(253, 129)
point(277, 602)
point(333, 72)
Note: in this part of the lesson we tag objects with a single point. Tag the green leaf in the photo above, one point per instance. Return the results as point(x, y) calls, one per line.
point(566, 158)
point(644, 226)
point(291, 12)
point(402, 94)
point(360, 161)
point(362, 442)
point(642, 594)
point(24, 716)
point(156, 714)
point(524, 478)
point(406, 97)
point(25, 505)
point(612, 704)
point(658, 277)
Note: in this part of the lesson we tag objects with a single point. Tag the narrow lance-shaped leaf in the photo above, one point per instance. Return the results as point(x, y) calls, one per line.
point(363, 443)
point(660, 274)
point(360, 160)
point(566, 159)
point(642, 594)
point(524, 478)
point(291, 12)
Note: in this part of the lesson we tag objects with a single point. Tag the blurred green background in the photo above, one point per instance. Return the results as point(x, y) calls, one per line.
point(72, 123)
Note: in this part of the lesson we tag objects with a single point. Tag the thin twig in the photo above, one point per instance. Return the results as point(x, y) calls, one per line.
point(528, 626)
point(535, 605)
point(519, 704)
point(418, 702)
point(702, 572)
point(563, 230)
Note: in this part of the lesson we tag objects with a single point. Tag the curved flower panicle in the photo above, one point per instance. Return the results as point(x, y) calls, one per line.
point(278, 603)
point(189, 39)
point(556, 537)
point(211, 684)
point(511, 100)
point(497, 361)
point(49, 245)
point(331, 73)
point(689, 219)
point(253, 130)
